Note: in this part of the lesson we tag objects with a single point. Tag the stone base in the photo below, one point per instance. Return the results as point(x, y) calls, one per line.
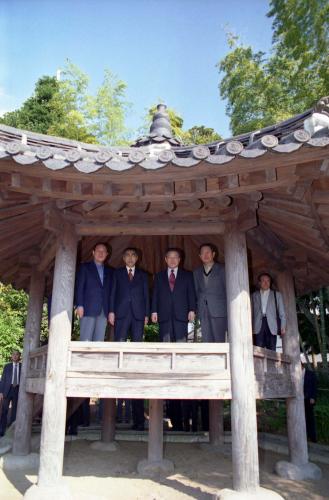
point(5, 445)
point(101, 446)
point(295, 472)
point(260, 494)
point(158, 467)
point(56, 492)
point(22, 462)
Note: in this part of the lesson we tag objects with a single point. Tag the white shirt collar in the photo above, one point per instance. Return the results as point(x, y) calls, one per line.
point(175, 271)
point(132, 269)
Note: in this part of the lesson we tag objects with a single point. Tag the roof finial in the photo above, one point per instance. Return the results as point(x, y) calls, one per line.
point(161, 123)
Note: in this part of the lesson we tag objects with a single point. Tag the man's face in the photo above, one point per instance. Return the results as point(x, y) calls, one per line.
point(172, 260)
point(15, 357)
point(130, 258)
point(265, 282)
point(207, 256)
point(100, 254)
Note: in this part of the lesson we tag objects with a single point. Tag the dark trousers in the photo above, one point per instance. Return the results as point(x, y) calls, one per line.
point(190, 415)
point(138, 414)
point(122, 328)
point(310, 421)
point(128, 324)
point(173, 331)
point(12, 397)
point(265, 338)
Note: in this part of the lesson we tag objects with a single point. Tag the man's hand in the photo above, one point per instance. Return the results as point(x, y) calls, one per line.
point(191, 316)
point(283, 331)
point(146, 320)
point(312, 401)
point(1, 397)
point(154, 317)
point(80, 312)
point(111, 318)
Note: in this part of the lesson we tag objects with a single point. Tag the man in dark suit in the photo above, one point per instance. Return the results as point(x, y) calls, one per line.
point(129, 300)
point(174, 301)
point(9, 387)
point(173, 306)
point(210, 287)
point(129, 312)
point(92, 298)
point(310, 393)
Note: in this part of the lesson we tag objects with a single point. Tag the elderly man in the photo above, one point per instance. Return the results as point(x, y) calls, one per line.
point(9, 387)
point(173, 306)
point(174, 302)
point(269, 319)
point(92, 298)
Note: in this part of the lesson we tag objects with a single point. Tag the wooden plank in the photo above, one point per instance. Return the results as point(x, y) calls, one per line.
point(35, 385)
point(148, 388)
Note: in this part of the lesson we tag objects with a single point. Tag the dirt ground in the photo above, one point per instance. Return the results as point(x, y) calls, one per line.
point(199, 473)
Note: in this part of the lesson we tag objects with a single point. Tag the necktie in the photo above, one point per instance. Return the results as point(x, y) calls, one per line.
point(15, 380)
point(172, 280)
point(130, 274)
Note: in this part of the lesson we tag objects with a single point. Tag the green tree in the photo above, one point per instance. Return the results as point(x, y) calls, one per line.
point(65, 108)
point(13, 305)
point(202, 135)
point(195, 135)
point(37, 113)
point(263, 90)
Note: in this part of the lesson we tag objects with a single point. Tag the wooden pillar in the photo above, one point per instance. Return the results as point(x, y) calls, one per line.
point(243, 406)
point(299, 467)
point(155, 444)
point(295, 406)
point(108, 420)
point(54, 407)
point(216, 422)
point(155, 462)
point(23, 423)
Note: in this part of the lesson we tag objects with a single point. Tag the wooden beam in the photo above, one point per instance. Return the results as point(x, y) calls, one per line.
point(150, 228)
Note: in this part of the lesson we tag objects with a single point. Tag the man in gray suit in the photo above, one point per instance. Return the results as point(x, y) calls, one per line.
point(267, 307)
point(209, 280)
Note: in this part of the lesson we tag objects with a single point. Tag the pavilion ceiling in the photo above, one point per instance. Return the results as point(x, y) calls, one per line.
point(273, 182)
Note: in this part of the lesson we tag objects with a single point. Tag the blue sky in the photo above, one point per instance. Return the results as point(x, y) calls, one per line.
point(162, 49)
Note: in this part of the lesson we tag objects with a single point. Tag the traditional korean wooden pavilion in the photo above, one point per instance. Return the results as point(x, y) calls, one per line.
point(262, 198)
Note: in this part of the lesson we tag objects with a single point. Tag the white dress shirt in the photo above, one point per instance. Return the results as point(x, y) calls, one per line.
point(15, 369)
point(264, 294)
point(175, 271)
point(132, 270)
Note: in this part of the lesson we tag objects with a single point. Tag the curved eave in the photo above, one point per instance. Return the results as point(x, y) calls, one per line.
point(27, 148)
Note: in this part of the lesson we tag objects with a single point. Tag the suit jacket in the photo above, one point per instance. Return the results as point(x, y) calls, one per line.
point(270, 312)
point(177, 304)
point(7, 376)
point(90, 292)
point(211, 294)
point(310, 385)
point(126, 294)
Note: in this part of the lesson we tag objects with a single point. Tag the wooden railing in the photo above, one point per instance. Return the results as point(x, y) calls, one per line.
point(159, 371)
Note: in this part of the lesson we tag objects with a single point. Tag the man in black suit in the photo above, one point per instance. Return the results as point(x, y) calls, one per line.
point(310, 392)
point(9, 387)
point(174, 301)
point(173, 306)
point(129, 312)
